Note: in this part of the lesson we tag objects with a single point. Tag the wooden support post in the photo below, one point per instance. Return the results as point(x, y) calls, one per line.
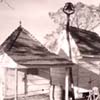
point(25, 83)
point(51, 86)
point(16, 84)
point(1, 92)
point(2, 80)
point(67, 84)
point(51, 95)
point(5, 81)
point(71, 83)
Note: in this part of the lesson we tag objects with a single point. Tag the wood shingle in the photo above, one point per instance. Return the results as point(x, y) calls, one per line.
point(24, 49)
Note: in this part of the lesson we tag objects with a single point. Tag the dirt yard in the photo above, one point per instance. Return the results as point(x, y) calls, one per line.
point(35, 97)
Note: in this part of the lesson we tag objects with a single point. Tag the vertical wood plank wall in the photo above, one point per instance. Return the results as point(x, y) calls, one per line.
point(81, 76)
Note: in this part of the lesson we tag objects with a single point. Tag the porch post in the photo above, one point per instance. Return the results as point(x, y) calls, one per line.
point(16, 84)
point(67, 84)
point(25, 83)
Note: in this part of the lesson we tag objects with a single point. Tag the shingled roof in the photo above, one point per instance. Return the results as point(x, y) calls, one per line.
point(88, 42)
point(24, 49)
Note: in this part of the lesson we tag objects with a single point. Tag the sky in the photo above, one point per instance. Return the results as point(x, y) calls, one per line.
point(33, 14)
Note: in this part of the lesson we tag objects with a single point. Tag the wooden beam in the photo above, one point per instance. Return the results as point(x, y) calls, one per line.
point(5, 81)
point(25, 66)
point(67, 84)
point(71, 83)
point(16, 84)
point(25, 83)
point(1, 83)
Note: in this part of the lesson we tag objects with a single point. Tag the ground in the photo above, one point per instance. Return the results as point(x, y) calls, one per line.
point(35, 97)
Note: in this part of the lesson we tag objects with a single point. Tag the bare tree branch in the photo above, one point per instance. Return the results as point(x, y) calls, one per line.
point(7, 3)
point(85, 17)
point(1, 0)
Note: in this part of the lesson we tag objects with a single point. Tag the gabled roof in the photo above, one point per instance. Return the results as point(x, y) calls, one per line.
point(24, 49)
point(88, 42)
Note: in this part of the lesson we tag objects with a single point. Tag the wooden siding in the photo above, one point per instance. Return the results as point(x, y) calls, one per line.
point(35, 83)
point(84, 76)
point(39, 80)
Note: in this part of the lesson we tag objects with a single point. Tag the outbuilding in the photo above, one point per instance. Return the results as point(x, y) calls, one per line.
point(22, 58)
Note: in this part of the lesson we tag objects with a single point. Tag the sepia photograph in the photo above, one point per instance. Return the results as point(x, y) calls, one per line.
point(49, 49)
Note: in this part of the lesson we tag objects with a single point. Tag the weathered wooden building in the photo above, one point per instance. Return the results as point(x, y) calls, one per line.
point(25, 65)
point(89, 66)
point(86, 73)
point(22, 51)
